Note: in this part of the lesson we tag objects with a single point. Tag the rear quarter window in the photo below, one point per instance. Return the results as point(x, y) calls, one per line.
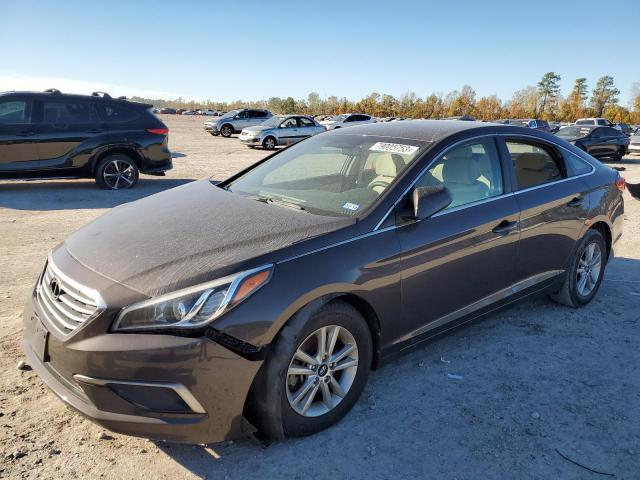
point(119, 114)
point(575, 165)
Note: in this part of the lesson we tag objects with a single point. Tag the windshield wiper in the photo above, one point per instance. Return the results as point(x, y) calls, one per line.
point(283, 203)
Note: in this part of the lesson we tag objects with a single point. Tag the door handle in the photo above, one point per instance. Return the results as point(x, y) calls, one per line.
point(575, 202)
point(25, 134)
point(504, 227)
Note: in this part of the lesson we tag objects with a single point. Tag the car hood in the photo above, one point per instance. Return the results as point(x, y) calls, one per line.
point(189, 235)
point(256, 128)
point(571, 138)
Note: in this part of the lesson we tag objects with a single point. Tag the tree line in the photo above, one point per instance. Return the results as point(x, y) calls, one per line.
point(544, 101)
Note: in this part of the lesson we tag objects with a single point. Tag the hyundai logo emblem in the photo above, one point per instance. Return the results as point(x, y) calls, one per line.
point(56, 290)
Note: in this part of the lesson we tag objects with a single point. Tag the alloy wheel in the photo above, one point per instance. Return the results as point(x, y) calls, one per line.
point(269, 143)
point(118, 174)
point(322, 371)
point(589, 267)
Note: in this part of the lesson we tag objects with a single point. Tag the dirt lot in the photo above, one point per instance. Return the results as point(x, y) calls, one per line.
point(536, 382)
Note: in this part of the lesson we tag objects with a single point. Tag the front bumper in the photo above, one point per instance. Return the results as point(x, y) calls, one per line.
point(211, 128)
point(207, 382)
point(250, 140)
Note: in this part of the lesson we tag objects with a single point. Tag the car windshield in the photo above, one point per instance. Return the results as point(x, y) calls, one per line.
point(338, 118)
point(274, 121)
point(232, 113)
point(585, 122)
point(330, 175)
point(575, 132)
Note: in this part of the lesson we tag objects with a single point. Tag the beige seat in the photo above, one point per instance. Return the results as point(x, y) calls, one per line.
point(387, 167)
point(460, 172)
point(531, 169)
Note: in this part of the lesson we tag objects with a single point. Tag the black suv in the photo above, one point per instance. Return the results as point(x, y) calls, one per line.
point(50, 134)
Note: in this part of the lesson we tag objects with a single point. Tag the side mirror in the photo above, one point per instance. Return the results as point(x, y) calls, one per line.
point(236, 117)
point(425, 202)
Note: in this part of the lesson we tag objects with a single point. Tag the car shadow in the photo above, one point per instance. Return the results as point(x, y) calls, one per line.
point(470, 390)
point(76, 194)
point(178, 154)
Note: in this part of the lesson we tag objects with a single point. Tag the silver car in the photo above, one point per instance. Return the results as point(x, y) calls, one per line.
point(280, 130)
point(235, 120)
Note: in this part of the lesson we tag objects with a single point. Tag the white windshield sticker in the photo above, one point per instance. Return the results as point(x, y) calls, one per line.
point(351, 206)
point(393, 148)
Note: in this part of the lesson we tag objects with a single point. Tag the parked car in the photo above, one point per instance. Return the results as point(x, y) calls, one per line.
point(634, 141)
point(189, 112)
point(280, 130)
point(209, 113)
point(601, 142)
point(347, 120)
point(52, 134)
point(624, 128)
point(168, 111)
point(529, 123)
point(594, 121)
point(235, 120)
point(464, 118)
point(266, 299)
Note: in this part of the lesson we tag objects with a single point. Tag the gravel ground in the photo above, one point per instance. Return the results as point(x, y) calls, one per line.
point(532, 387)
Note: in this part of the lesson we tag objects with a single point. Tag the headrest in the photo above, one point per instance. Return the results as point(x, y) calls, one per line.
point(388, 165)
point(460, 167)
point(532, 161)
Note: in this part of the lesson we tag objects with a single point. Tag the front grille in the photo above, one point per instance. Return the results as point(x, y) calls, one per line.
point(66, 303)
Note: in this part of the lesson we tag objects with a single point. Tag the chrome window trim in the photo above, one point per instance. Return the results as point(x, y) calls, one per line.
point(479, 202)
point(182, 391)
point(377, 229)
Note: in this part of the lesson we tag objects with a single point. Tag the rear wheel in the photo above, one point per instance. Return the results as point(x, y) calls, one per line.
point(226, 131)
point(315, 373)
point(585, 271)
point(269, 143)
point(117, 172)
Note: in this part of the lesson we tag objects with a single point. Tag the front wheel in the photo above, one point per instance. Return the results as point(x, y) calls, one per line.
point(585, 272)
point(315, 373)
point(619, 154)
point(226, 131)
point(117, 172)
point(269, 143)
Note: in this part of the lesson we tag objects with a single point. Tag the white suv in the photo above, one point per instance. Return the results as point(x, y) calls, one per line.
point(347, 120)
point(594, 121)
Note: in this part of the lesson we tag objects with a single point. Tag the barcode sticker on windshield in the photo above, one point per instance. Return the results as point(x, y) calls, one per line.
point(351, 206)
point(393, 148)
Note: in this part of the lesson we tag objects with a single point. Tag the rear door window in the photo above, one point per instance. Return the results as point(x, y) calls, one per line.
point(534, 164)
point(68, 112)
point(575, 165)
point(305, 122)
point(14, 112)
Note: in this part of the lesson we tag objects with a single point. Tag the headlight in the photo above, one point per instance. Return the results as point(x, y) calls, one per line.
point(195, 306)
point(251, 133)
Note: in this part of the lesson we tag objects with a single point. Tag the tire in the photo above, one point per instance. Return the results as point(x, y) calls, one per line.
point(226, 131)
point(269, 143)
point(571, 293)
point(214, 134)
point(273, 392)
point(117, 172)
point(619, 154)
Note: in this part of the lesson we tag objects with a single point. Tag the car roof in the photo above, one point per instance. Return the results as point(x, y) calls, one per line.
point(429, 130)
point(77, 96)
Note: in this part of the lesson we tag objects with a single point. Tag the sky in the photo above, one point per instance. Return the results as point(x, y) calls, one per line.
point(253, 50)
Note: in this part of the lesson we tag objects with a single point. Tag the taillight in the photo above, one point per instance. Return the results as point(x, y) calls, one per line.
point(621, 183)
point(158, 131)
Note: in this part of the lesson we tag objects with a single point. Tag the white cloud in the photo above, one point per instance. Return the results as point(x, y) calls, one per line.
point(9, 82)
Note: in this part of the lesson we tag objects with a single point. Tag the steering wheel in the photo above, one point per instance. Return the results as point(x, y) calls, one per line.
point(378, 183)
